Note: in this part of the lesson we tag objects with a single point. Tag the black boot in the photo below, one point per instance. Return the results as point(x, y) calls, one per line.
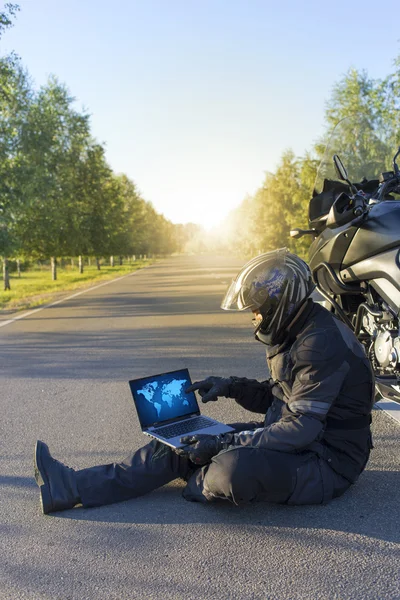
point(57, 483)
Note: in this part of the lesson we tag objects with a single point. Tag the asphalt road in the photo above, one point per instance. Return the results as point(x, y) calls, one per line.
point(64, 373)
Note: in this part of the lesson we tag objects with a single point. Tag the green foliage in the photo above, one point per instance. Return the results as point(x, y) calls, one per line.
point(6, 16)
point(15, 97)
point(54, 138)
point(262, 223)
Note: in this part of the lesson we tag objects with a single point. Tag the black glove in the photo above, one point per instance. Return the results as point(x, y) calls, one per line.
point(201, 448)
point(212, 388)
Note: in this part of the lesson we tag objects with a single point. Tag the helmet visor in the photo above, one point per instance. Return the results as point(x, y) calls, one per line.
point(235, 297)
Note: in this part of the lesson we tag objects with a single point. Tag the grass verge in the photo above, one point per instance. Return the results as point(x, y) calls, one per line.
point(35, 287)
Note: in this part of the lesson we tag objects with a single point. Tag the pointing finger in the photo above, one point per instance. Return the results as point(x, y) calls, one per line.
point(193, 387)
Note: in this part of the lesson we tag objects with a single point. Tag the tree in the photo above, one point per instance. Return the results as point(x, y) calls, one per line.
point(15, 95)
point(130, 222)
point(54, 141)
point(366, 140)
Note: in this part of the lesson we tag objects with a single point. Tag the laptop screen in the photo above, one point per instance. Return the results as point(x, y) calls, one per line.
point(162, 397)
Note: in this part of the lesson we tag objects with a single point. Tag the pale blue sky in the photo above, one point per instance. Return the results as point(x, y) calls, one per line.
point(196, 99)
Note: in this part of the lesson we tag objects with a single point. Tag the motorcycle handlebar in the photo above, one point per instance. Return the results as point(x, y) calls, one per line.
point(345, 209)
point(359, 205)
point(386, 185)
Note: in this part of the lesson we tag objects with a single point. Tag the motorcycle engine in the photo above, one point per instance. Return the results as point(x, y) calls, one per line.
point(384, 351)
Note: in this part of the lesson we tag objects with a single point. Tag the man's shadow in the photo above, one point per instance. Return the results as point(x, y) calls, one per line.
point(364, 509)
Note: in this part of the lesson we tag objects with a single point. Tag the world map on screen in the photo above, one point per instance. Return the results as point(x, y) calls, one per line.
point(165, 395)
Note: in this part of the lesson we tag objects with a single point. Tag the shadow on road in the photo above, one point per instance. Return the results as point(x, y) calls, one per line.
point(124, 306)
point(355, 512)
point(14, 481)
point(120, 353)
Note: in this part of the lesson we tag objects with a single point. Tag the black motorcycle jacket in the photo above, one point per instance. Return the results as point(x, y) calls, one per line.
point(319, 397)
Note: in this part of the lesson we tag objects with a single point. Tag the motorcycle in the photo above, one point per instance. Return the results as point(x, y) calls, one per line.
point(355, 253)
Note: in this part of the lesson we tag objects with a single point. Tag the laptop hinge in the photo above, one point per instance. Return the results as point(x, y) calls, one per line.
point(175, 420)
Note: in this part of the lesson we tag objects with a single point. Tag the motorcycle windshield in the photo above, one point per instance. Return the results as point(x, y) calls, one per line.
point(365, 147)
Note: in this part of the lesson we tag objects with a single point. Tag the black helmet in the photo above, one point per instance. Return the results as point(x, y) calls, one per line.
point(276, 284)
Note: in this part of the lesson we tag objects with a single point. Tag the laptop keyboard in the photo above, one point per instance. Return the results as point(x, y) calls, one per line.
point(170, 431)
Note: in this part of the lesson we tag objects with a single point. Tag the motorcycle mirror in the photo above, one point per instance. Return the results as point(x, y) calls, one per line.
point(340, 168)
point(342, 172)
point(395, 165)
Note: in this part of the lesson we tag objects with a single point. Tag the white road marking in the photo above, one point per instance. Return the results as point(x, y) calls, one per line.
point(31, 312)
point(390, 407)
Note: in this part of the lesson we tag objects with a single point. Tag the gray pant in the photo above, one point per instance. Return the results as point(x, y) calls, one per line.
point(239, 474)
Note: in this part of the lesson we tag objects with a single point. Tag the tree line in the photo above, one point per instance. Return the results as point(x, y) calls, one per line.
point(263, 221)
point(58, 195)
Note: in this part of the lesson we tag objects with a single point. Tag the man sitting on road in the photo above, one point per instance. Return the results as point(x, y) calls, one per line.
point(314, 441)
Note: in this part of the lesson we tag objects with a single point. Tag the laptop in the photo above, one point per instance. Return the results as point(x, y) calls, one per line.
point(166, 412)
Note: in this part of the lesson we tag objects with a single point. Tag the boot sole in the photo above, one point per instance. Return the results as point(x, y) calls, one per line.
point(46, 500)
